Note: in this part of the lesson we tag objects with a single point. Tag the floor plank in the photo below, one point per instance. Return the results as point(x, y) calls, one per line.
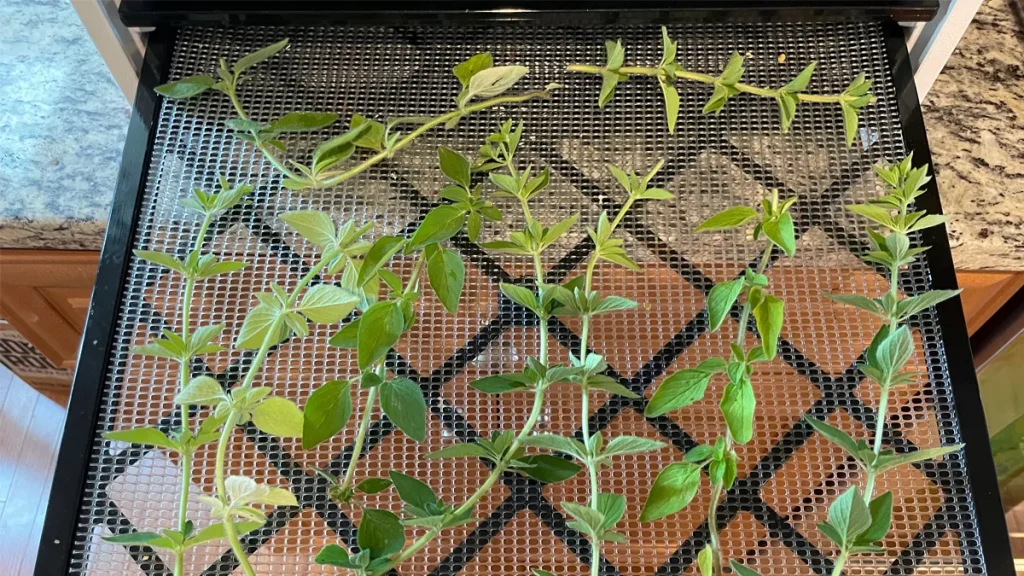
point(30, 429)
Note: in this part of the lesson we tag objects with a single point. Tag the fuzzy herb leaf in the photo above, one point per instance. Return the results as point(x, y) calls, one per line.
point(403, 404)
point(492, 82)
point(673, 489)
point(439, 224)
point(348, 336)
point(881, 518)
point(738, 404)
point(720, 300)
point(412, 491)
point(302, 122)
point(780, 231)
point(557, 443)
point(147, 436)
point(186, 87)
point(380, 532)
point(728, 219)
point(671, 95)
point(455, 166)
point(278, 417)
point(683, 388)
point(313, 225)
point(622, 445)
point(915, 304)
point(326, 303)
point(742, 570)
point(768, 315)
point(447, 272)
point(328, 410)
point(265, 53)
point(465, 71)
point(548, 469)
point(379, 329)
point(888, 461)
point(201, 390)
point(257, 325)
point(836, 436)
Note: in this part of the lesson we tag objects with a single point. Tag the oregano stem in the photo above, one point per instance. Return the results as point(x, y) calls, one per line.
point(706, 79)
point(186, 425)
point(718, 488)
point(502, 465)
point(588, 283)
point(357, 449)
point(334, 178)
point(259, 144)
point(841, 563)
point(225, 436)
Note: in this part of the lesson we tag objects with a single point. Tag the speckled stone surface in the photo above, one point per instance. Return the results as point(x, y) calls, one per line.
point(974, 115)
point(62, 127)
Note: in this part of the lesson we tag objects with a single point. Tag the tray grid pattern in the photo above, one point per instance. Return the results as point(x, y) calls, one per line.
point(787, 477)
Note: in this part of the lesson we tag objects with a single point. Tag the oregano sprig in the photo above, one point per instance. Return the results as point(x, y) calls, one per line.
point(857, 520)
point(677, 485)
point(726, 85)
point(182, 348)
point(577, 297)
point(483, 86)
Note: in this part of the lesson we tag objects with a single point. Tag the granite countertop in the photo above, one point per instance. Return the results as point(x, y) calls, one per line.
point(64, 120)
point(974, 115)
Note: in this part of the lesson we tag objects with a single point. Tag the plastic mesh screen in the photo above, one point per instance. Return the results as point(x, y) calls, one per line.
point(788, 475)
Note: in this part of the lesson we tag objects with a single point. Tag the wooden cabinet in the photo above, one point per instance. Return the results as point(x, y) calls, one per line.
point(44, 295)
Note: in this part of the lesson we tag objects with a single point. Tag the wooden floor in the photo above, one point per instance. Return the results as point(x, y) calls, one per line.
point(30, 430)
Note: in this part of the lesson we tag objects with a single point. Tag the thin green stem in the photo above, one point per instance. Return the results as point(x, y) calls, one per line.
point(186, 425)
point(718, 488)
point(236, 546)
point(705, 79)
point(233, 96)
point(840, 563)
point(501, 466)
point(334, 178)
point(357, 449)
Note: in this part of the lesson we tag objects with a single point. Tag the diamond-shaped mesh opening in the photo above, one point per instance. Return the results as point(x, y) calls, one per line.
point(788, 476)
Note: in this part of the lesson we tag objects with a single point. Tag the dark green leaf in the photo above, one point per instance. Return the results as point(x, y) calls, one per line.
point(548, 469)
point(380, 532)
point(721, 299)
point(133, 538)
point(332, 151)
point(519, 295)
point(373, 485)
point(677, 391)
point(611, 507)
point(455, 166)
point(402, 402)
point(441, 223)
point(379, 329)
point(334, 555)
point(412, 491)
point(382, 250)
point(373, 137)
point(557, 443)
point(849, 515)
point(348, 336)
point(729, 218)
point(497, 385)
point(186, 87)
point(250, 60)
point(881, 518)
point(302, 122)
point(446, 273)
point(673, 489)
point(327, 411)
point(737, 406)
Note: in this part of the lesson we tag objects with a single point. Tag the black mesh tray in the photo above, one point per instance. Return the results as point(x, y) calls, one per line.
point(947, 514)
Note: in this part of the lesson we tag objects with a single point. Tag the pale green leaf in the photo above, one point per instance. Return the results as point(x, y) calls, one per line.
point(679, 390)
point(201, 390)
point(671, 95)
point(326, 303)
point(278, 417)
point(302, 121)
point(313, 225)
point(256, 328)
point(147, 436)
point(491, 82)
point(720, 300)
point(464, 71)
point(738, 404)
point(729, 218)
point(768, 315)
point(887, 462)
point(186, 87)
point(780, 231)
point(265, 53)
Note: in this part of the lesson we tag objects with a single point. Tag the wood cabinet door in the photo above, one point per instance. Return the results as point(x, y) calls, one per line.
point(44, 295)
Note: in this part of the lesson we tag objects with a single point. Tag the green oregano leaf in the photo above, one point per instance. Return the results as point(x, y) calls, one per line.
point(492, 82)
point(465, 71)
point(446, 273)
point(881, 518)
point(147, 436)
point(326, 303)
point(302, 122)
point(334, 555)
point(201, 390)
point(313, 225)
point(888, 461)
point(742, 570)
point(373, 485)
point(720, 301)
point(186, 87)
point(403, 404)
point(455, 166)
point(257, 325)
point(348, 336)
point(683, 388)
point(780, 231)
point(265, 53)
point(278, 417)
point(379, 329)
point(380, 532)
point(705, 561)
point(380, 252)
point(738, 404)
point(728, 219)
point(413, 491)
point(799, 84)
point(439, 224)
point(548, 469)
point(671, 95)
point(768, 315)
point(673, 489)
point(328, 410)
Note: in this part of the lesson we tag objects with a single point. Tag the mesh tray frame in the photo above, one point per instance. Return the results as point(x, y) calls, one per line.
point(189, 130)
